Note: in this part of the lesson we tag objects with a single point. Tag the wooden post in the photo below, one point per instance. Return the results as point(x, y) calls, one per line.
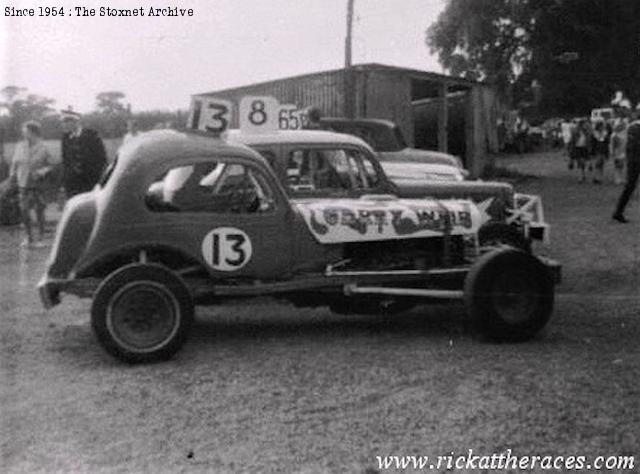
point(468, 132)
point(348, 39)
point(443, 117)
point(349, 80)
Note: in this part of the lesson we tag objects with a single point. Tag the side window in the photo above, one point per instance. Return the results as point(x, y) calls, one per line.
point(211, 187)
point(329, 170)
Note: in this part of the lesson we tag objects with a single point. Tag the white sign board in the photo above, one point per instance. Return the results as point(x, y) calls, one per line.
point(334, 221)
point(210, 114)
point(258, 114)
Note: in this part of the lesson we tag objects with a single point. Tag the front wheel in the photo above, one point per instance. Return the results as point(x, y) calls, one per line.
point(509, 295)
point(499, 233)
point(141, 313)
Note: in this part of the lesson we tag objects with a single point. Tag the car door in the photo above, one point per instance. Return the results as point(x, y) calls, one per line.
point(230, 212)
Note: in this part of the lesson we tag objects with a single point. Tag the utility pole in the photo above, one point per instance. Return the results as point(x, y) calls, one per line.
point(348, 39)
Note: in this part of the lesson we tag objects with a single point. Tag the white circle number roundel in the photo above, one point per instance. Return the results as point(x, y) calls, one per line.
point(227, 249)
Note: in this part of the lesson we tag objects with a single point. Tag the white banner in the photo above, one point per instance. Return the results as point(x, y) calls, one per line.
point(355, 220)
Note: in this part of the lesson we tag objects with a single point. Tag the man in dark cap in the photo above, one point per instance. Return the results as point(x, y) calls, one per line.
point(313, 119)
point(633, 166)
point(83, 155)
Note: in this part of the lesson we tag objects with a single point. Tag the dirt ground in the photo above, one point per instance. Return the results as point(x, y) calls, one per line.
point(268, 388)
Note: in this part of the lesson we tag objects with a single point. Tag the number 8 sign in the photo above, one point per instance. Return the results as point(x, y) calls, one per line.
point(258, 114)
point(227, 249)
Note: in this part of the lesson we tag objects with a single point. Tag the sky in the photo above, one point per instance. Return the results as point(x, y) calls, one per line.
point(159, 62)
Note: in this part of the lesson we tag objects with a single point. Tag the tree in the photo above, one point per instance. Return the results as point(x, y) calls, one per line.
point(110, 102)
point(19, 106)
point(483, 39)
point(575, 52)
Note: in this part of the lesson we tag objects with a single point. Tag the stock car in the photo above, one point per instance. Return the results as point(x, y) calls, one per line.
point(186, 219)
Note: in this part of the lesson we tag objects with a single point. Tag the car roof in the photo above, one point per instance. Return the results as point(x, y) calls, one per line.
point(157, 146)
point(320, 137)
point(359, 121)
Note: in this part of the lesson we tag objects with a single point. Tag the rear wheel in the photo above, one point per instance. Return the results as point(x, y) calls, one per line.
point(142, 312)
point(509, 295)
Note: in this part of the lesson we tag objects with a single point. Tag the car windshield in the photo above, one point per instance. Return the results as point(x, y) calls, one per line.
point(332, 171)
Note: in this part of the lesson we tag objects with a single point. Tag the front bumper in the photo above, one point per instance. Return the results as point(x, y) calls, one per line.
point(554, 267)
point(529, 213)
point(49, 292)
point(50, 289)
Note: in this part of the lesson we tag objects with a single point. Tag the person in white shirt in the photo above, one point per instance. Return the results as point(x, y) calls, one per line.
point(31, 162)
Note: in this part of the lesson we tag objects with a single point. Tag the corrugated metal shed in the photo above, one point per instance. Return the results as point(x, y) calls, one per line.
point(387, 92)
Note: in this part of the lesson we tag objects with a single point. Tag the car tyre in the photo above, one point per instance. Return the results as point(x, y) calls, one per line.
point(499, 233)
point(509, 295)
point(142, 313)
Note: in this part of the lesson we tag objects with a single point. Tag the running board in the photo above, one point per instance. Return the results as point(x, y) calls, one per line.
point(353, 289)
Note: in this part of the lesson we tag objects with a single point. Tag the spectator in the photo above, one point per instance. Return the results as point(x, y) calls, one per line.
point(83, 155)
point(31, 162)
point(132, 131)
point(600, 147)
point(617, 150)
point(580, 142)
point(568, 129)
point(633, 166)
point(520, 132)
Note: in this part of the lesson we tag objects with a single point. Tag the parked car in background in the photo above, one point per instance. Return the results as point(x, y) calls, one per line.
point(386, 138)
point(602, 114)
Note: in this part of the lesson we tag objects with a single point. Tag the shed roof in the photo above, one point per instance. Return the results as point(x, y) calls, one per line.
point(368, 67)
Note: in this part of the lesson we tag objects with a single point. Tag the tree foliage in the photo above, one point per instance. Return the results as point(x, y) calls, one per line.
point(109, 102)
point(578, 51)
point(17, 106)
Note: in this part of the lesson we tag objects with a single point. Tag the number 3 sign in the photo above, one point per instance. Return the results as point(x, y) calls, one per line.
point(227, 249)
point(259, 114)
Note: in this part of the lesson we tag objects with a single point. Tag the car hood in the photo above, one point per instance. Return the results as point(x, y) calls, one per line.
point(419, 156)
point(372, 218)
point(412, 171)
